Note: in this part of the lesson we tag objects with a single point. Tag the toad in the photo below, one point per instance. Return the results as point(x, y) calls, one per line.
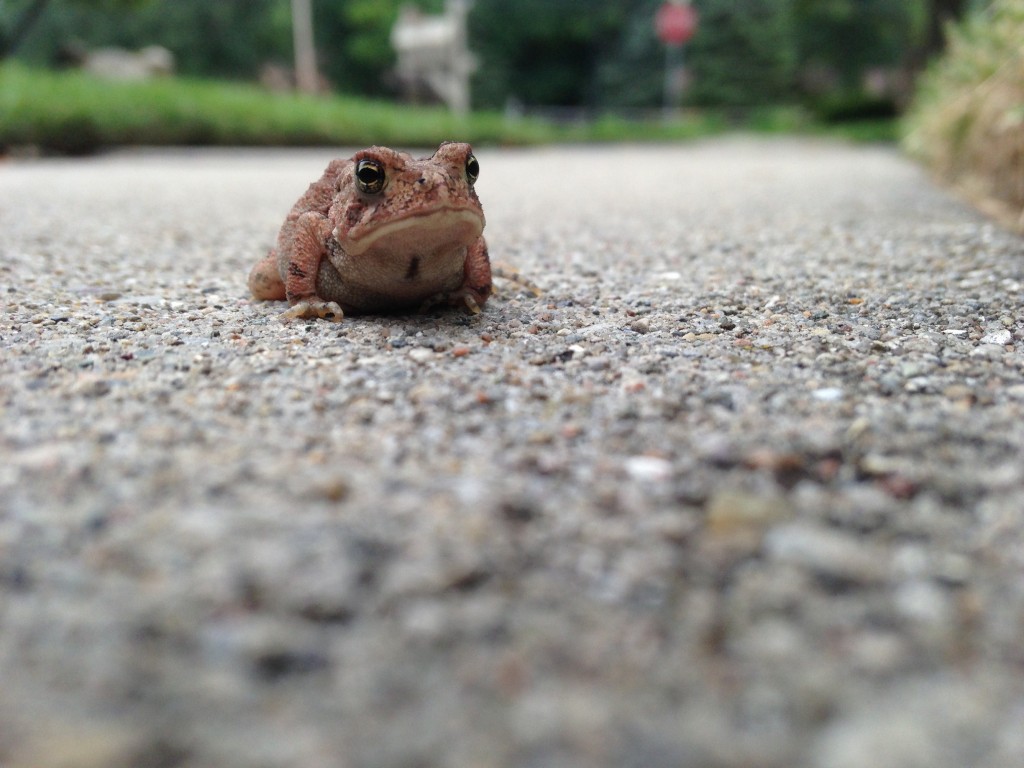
point(379, 232)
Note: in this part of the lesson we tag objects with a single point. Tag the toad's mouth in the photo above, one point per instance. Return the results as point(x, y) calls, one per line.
point(422, 232)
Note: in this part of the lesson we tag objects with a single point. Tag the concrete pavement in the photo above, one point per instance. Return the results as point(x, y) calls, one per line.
point(743, 488)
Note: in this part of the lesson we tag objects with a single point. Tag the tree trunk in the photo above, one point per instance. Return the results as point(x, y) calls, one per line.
point(306, 77)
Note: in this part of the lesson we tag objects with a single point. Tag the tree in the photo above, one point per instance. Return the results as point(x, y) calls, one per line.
point(841, 40)
point(31, 13)
point(847, 37)
point(744, 53)
point(20, 28)
point(630, 74)
point(227, 38)
point(544, 52)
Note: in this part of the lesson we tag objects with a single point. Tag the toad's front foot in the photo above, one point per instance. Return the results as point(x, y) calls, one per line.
point(311, 309)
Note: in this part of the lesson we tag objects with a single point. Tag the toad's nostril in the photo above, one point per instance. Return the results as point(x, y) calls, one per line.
point(421, 180)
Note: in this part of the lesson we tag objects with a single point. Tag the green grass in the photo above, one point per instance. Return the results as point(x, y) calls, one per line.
point(71, 112)
point(874, 131)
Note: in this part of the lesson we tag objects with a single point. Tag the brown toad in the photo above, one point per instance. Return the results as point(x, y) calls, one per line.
point(382, 231)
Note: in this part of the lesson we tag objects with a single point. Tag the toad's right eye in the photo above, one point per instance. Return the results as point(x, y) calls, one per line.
point(370, 176)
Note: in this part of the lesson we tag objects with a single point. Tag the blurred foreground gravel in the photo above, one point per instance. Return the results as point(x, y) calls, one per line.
point(744, 488)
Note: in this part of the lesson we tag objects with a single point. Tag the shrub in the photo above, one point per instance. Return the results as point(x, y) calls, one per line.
point(967, 122)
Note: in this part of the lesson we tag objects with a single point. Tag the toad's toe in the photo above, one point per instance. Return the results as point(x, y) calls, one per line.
point(314, 308)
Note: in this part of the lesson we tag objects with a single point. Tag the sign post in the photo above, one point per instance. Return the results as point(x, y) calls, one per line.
point(675, 23)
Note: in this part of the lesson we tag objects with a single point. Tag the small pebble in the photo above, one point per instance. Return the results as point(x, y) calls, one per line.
point(828, 394)
point(421, 354)
point(648, 468)
point(1001, 337)
point(828, 553)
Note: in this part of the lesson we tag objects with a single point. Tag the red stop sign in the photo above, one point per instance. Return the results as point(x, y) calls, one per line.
point(675, 23)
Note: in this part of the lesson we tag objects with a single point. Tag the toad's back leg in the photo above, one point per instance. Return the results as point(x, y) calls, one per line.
point(265, 279)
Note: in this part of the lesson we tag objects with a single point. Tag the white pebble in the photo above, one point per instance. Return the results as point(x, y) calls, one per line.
point(828, 394)
point(421, 354)
point(1002, 338)
point(648, 468)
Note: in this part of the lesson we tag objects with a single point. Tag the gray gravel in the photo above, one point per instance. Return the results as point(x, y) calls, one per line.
point(744, 488)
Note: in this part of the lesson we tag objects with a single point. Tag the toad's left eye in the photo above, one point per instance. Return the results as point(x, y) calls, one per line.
point(370, 176)
point(472, 169)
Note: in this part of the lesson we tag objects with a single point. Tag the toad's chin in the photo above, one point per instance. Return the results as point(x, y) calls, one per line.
point(420, 233)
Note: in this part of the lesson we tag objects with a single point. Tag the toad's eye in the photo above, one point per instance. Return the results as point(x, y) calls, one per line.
point(370, 176)
point(472, 169)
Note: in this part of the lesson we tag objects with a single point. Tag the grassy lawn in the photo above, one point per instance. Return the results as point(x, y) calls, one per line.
point(70, 112)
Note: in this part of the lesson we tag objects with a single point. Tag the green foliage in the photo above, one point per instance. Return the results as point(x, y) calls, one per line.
point(745, 52)
point(17, 17)
point(629, 73)
point(598, 55)
point(847, 37)
point(545, 52)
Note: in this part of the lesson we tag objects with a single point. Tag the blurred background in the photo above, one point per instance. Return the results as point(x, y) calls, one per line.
point(78, 75)
point(840, 58)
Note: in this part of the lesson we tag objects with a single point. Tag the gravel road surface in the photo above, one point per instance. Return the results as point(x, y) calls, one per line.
point(744, 488)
